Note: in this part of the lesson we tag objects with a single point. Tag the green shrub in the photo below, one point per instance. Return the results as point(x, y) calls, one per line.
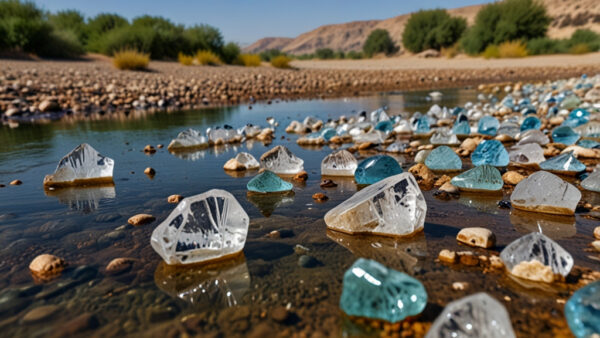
point(450, 52)
point(432, 29)
point(491, 52)
point(270, 54)
point(580, 48)
point(540, 46)
point(62, 44)
point(126, 38)
point(207, 58)
point(325, 53)
point(230, 52)
point(70, 20)
point(99, 26)
point(249, 60)
point(130, 59)
point(281, 61)
point(585, 37)
point(379, 41)
point(305, 56)
point(354, 55)
point(203, 37)
point(186, 60)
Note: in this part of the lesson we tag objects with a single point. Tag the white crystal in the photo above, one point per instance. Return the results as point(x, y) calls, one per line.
point(592, 182)
point(533, 136)
point(396, 147)
point(340, 163)
point(373, 136)
point(403, 127)
point(529, 153)
point(444, 136)
point(226, 134)
point(393, 206)
point(545, 192)
point(477, 315)
point(83, 165)
point(280, 160)
point(247, 160)
point(509, 128)
point(189, 138)
point(202, 228)
point(249, 131)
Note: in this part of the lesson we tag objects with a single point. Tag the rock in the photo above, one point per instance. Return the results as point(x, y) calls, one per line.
point(40, 313)
point(488, 125)
point(545, 192)
point(512, 177)
point(373, 291)
point(496, 262)
point(565, 135)
point(423, 175)
point(280, 314)
point(174, 199)
point(149, 149)
point(443, 158)
point(449, 188)
point(49, 106)
point(469, 144)
point(306, 261)
point(533, 270)
point(447, 256)
point(597, 232)
point(150, 171)
point(82, 166)
point(376, 168)
point(393, 206)
point(119, 265)
point(581, 311)
point(527, 154)
point(532, 137)
point(141, 219)
point(429, 53)
point(340, 163)
point(301, 250)
point(81, 323)
point(490, 152)
point(47, 266)
point(481, 178)
point(477, 315)
point(301, 176)
point(480, 237)
point(268, 182)
point(596, 245)
point(467, 258)
point(189, 138)
point(460, 286)
point(280, 160)
point(327, 183)
point(242, 161)
point(422, 155)
point(213, 221)
point(581, 152)
point(563, 164)
point(320, 197)
point(16, 182)
point(442, 180)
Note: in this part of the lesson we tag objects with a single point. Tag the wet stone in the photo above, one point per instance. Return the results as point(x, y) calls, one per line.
point(480, 237)
point(268, 182)
point(307, 261)
point(530, 153)
point(376, 168)
point(281, 160)
point(480, 178)
point(447, 256)
point(565, 135)
point(189, 138)
point(582, 311)
point(443, 158)
point(141, 219)
point(545, 192)
point(564, 163)
point(490, 152)
point(47, 266)
point(40, 313)
point(340, 163)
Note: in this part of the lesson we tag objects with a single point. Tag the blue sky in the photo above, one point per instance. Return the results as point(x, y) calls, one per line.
point(245, 21)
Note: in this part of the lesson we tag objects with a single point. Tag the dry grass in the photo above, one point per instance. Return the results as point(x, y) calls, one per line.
point(249, 60)
point(186, 60)
point(512, 49)
point(580, 48)
point(491, 52)
point(281, 61)
point(208, 58)
point(130, 59)
point(450, 52)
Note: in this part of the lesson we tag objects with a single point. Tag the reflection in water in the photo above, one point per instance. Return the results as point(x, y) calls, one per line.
point(344, 183)
point(553, 226)
point(482, 202)
point(218, 284)
point(267, 203)
point(241, 173)
point(84, 199)
point(193, 155)
point(398, 253)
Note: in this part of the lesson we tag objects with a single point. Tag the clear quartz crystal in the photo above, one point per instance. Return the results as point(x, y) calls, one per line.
point(247, 160)
point(443, 136)
point(280, 160)
point(340, 163)
point(82, 164)
point(533, 136)
point(393, 206)
point(529, 153)
point(592, 182)
point(474, 316)
point(202, 228)
point(545, 192)
point(189, 138)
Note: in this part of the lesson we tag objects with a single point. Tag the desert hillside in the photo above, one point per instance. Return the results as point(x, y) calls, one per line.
point(568, 15)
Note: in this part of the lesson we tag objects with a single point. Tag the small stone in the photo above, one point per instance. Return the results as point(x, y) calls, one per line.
point(160, 146)
point(149, 149)
point(174, 199)
point(47, 266)
point(460, 286)
point(423, 175)
point(242, 161)
point(481, 178)
point(533, 270)
point(307, 261)
point(301, 249)
point(327, 183)
point(40, 313)
point(268, 182)
point(280, 314)
point(447, 256)
point(443, 158)
point(320, 197)
point(512, 177)
point(422, 155)
point(119, 265)
point(480, 237)
point(469, 144)
point(597, 232)
point(16, 182)
point(468, 258)
point(150, 171)
point(442, 180)
point(596, 245)
point(301, 176)
point(234, 165)
point(496, 262)
point(449, 188)
point(545, 192)
point(141, 219)
point(376, 168)
point(581, 311)
point(86, 321)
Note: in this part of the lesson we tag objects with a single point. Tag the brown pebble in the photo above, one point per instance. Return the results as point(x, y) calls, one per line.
point(301, 176)
point(40, 313)
point(47, 266)
point(327, 183)
point(118, 265)
point(150, 171)
point(274, 234)
point(174, 199)
point(149, 149)
point(279, 314)
point(159, 146)
point(597, 232)
point(320, 197)
point(141, 219)
point(16, 182)
point(468, 258)
point(447, 256)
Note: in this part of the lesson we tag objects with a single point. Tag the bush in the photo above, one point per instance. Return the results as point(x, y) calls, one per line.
point(540, 46)
point(585, 37)
point(230, 52)
point(450, 52)
point(491, 52)
point(62, 44)
point(249, 60)
point(354, 55)
point(281, 61)
point(207, 58)
point(100, 25)
point(203, 37)
point(127, 38)
point(70, 20)
point(186, 60)
point(512, 49)
point(268, 55)
point(379, 41)
point(325, 53)
point(580, 48)
point(131, 59)
point(432, 29)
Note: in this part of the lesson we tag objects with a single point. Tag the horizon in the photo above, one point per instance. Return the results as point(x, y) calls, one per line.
point(233, 18)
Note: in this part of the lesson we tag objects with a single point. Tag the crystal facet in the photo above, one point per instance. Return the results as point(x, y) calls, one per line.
point(242, 161)
point(531, 122)
point(372, 290)
point(444, 136)
point(530, 153)
point(280, 160)
point(443, 158)
point(376, 168)
point(461, 128)
point(490, 152)
point(340, 163)
point(565, 135)
point(592, 182)
point(82, 166)
point(488, 125)
point(563, 163)
point(480, 178)
point(582, 311)
point(533, 136)
point(545, 192)
point(189, 138)
point(267, 182)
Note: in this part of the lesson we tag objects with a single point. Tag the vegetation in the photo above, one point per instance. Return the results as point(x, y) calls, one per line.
point(508, 49)
point(270, 54)
point(379, 41)
point(450, 52)
point(581, 41)
point(281, 61)
point(325, 54)
point(432, 29)
point(208, 58)
point(250, 60)
point(186, 60)
point(131, 59)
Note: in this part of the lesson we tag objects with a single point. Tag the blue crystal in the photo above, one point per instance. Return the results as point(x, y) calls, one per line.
point(531, 122)
point(328, 133)
point(490, 152)
point(563, 163)
point(443, 158)
point(461, 128)
point(565, 135)
point(591, 144)
point(488, 125)
point(422, 125)
point(376, 168)
point(484, 177)
point(372, 290)
point(384, 126)
point(457, 110)
point(508, 102)
point(582, 311)
point(553, 111)
point(577, 117)
point(268, 181)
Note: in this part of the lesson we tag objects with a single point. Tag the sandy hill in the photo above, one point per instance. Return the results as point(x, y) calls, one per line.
point(568, 15)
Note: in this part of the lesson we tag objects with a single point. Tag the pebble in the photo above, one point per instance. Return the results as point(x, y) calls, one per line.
point(234, 165)
point(447, 256)
point(533, 270)
point(423, 175)
point(280, 314)
point(83, 322)
point(460, 286)
point(307, 261)
point(141, 219)
point(148, 149)
point(150, 171)
point(496, 262)
point(468, 258)
point(504, 204)
point(320, 197)
point(476, 236)
point(469, 144)
point(40, 313)
point(442, 180)
point(301, 249)
point(597, 232)
point(512, 177)
point(327, 183)
point(174, 199)
point(449, 188)
point(301, 176)
point(596, 245)
point(119, 265)
point(16, 182)
point(47, 266)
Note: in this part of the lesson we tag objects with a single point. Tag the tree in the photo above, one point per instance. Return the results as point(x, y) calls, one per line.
point(230, 52)
point(325, 53)
point(432, 29)
point(379, 41)
point(72, 21)
point(203, 37)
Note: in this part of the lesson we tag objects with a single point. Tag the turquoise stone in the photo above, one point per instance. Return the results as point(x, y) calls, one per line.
point(563, 163)
point(423, 125)
point(591, 144)
point(443, 158)
point(484, 177)
point(376, 168)
point(372, 290)
point(577, 117)
point(328, 133)
point(268, 181)
point(488, 125)
point(565, 135)
point(384, 126)
point(531, 122)
point(490, 152)
point(582, 311)
point(461, 128)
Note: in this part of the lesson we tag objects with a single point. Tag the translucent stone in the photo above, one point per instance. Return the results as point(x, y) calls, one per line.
point(537, 246)
point(529, 153)
point(531, 122)
point(565, 135)
point(201, 228)
point(582, 311)
point(403, 127)
point(563, 163)
point(376, 168)
point(545, 192)
point(280, 160)
point(591, 129)
point(384, 126)
point(422, 126)
point(475, 316)
point(510, 128)
point(393, 206)
point(247, 160)
point(250, 130)
point(227, 134)
point(488, 125)
point(533, 136)
point(577, 117)
point(373, 136)
point(590, 144)
point(480, 178)
point(443, 158)
point(268, 182)
point(570, 102)
point(311, 139)
point(340, 163)
point(592, 182)
point(189, 138)
point(397, 147)
point(444, 136)
point(490, 152)
point(461, 128)
point(372, 290)
point(82, 166)
point(327, 133)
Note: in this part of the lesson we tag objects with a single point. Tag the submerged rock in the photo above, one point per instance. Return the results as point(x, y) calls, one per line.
point(480, 178)
point(202, 228)
point(242, 161)
point(376, 168)
point(372, 290)
point(82, 166)
point(565, 163)
point(46, 266)
point(268, 182)
point(443, 158)
point(281, 160)
point(340, 163)
point(582, 311)
point(393, 206)
point(189, 138)
point(545, 192)
point(490, 152)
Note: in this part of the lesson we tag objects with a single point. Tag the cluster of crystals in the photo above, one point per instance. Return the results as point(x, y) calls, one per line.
point(195, 139)
point(82, 165)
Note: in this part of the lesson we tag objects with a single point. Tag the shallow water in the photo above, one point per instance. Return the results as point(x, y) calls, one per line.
point(88, 228)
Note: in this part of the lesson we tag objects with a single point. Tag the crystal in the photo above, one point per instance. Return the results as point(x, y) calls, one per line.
point(545, 192)
point(577, 117)
point(443, 158)
point(477, 315)
point(376, 168)
point(280, 160)
point(372, 290)
point(590, 144)
point(393, 206)
point(480, 178)
point(397, 147)
point(384, 126)
point(582, 311)
point(189, 138)
point(570, 102)
point(533, 136)
point(82, 166)
point(565, 135)
point(461, 128)
point(488, 125)
point(444, 136)
point(537, 247)
point(490, 152)
point(242, 161)
point(591, 129)
point(327, 133)
point(510, 128)
point(373, 136)
point(563, 163)
point(592, 182)
point(225, 134)
point(530, 153)
point(340, 163)
point(314, 139)
point(531, 122)
point(422, 126)
point(267, 182)
point(250, 130)
point(201, 228)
